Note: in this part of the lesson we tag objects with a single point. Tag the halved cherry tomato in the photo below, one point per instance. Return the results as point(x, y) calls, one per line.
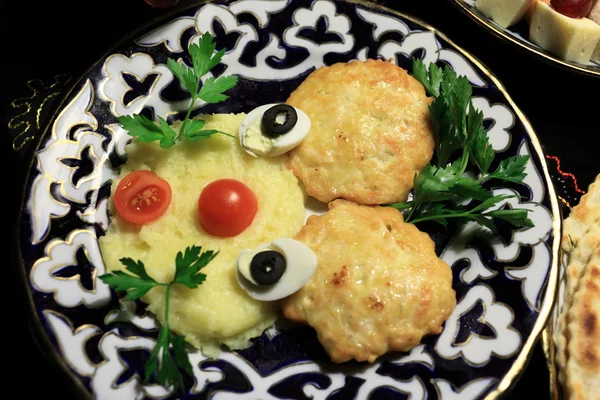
point(142, 197)
point(226, 208)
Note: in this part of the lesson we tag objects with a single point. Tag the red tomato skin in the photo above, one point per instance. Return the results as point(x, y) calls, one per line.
point(572, 8)
point(142, 185)
point(226, 207)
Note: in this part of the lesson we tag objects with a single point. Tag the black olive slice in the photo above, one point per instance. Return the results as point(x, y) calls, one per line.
point(267, 267)
point(270, 124)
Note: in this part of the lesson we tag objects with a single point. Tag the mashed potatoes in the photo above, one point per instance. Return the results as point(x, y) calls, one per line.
point(219, 311)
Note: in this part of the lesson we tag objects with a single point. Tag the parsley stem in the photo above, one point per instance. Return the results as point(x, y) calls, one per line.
point(194, 98)
point(189, 111)
point(410, 214)
point(167, 295)
point(483, 179)
point(442, 216)
point(165, 326)
point(464, 162)
point(402, 206)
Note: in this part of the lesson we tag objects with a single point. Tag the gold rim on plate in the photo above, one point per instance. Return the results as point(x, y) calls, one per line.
point(506, 383)
point(538, 52)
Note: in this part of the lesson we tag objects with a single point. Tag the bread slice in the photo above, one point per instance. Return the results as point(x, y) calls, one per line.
point(582, 216)
point(579, 258)
point(580, 238)
point(582, 374)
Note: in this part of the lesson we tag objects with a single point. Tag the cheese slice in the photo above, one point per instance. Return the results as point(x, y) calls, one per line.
point(504, 12)
point(530, 11)
point(572, 39)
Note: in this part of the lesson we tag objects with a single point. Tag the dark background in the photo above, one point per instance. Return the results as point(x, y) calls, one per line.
point(45, 38)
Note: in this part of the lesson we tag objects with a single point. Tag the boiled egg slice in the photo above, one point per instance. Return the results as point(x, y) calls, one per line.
point(275, 270)
point(255, 140)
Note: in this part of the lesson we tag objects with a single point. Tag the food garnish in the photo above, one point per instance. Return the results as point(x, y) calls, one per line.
point(279, 119)
point(273, 129)
point(275, 270)
point(572, 39)
point(572, 8)
point(570, 29)
point(267, 267)
point(142, 196)
point(226, 207)
point(441, 188)
point(168, 358)
point(212, 91)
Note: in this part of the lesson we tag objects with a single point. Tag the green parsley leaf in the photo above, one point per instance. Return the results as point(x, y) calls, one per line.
point(440, 191)
point(170, 135)
point(491, 202)
point(188, 265)
point(193, 131)
point(152, 363)
point(144, 129)
point(515, 216)
point(511, 169)
point(191, 126)
point(134, 287)
point(136, 268)
point(168, 357)
point(439, 184)
point(456, 91)
point(448, 115)
point(481, 152)
point(433, 183)
point(202, 55)
point(204, 59)
point(168, 372)
point(442, 213)
point(212, 90)
point(430, 81)
point(181, 356)
point(185, 75)
point(483, 220)
point(447, 139)
point(466, 188)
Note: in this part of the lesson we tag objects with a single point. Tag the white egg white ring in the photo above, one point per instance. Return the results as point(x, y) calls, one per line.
point(301, 263)
point(283, 143)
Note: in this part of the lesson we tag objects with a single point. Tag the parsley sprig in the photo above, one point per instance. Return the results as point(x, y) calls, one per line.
point(168, 358)
point(442, 187)
point(204, 59)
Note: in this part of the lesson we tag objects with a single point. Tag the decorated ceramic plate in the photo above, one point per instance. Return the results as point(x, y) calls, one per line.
point(504, 283)
point(518, 35)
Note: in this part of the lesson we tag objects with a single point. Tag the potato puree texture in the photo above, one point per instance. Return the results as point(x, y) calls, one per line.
point(218, 311)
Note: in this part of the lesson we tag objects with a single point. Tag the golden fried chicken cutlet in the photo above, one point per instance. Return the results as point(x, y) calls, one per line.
point(370, 132)
point(378, 286)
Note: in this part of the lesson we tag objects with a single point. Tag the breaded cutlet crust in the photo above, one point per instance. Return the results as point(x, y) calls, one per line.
point(378, 287)
point(370, 132)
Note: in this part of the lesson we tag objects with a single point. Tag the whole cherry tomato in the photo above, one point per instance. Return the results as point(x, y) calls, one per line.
point(226, 208)
point(572, 8)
